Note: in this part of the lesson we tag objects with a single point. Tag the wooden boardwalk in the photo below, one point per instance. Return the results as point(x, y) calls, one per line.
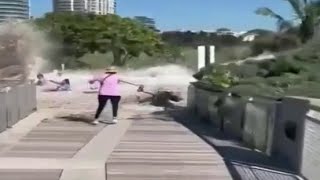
point(30, 174)
point(157, 148)
point(54, 138)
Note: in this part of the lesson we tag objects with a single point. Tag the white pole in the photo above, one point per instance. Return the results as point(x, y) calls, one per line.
point(62, 67)
point(29, 9)
point(201, 57)
point(212, 55)
point(72, 5)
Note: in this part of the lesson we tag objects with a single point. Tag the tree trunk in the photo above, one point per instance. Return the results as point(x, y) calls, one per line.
point(125, 58)
point(117, 57)
point(306, 29)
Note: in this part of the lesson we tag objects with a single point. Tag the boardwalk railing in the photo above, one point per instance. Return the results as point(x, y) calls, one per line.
point(275, 127)
point(16, 103)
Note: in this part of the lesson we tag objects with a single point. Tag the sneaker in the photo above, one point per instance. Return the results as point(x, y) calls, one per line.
point(114, 120)
point(95, 122)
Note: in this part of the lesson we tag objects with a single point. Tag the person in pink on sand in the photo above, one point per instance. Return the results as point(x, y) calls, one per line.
point(109, 90)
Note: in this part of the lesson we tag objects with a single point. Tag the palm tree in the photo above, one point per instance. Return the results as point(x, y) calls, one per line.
point(306, 15)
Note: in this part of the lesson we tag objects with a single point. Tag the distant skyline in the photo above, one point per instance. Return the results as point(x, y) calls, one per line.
point(202, 15)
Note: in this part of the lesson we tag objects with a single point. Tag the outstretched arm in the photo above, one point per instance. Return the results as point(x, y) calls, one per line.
point(93, 80)
point(140, 87)
point(122, 81)
point(55, 82)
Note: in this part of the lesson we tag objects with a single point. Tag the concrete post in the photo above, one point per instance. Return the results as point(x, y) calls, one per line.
point(3, 113)
point(207, 56)
point(12, 106)
point(212, 55)
point(191, 98)
point(201, 57)
point(62, 67)
point(289, 130)
point(33, 98)
point(21, 101)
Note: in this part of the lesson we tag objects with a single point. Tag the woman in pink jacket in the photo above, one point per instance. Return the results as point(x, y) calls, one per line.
point(109, 89)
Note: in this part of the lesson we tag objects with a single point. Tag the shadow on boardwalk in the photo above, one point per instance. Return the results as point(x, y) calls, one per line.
point(242, 162)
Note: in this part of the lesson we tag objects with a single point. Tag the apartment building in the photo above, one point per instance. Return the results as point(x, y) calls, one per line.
point(111, 6)
point(101, 7)
point(69, 5)
point(14, 9)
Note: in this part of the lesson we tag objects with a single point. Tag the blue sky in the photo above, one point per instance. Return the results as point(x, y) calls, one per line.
point(193, 14)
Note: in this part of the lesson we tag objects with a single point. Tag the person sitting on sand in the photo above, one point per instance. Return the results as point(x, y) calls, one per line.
point(64, 85)
point(41, 80)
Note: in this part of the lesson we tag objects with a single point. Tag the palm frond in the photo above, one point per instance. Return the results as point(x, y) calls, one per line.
point(264, 11)
point(298, 7)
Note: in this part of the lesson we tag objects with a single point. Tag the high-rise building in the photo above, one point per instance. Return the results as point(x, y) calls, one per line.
point(112, 6)
point(14, 10)
point(80, 5)
point(101, 7)
point(69, 5)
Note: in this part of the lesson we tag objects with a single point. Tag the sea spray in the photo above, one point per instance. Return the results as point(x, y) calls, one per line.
point(29, 46)
point(172, 77)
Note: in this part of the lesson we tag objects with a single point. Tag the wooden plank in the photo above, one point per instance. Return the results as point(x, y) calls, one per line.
point(30, 174)
point(53, 138)
point(155, 149)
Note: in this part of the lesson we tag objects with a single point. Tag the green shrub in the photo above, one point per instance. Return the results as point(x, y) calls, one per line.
point(265, 64)
point(221, 77)
point(274, 43)
point(258, 70)
point(308, 56)
point(293, 73)
point(312, 76)
point(245, 70)
point(205, 71)
point(298, 57)
point(262, 73)
point(285, 81)
point(306, 89)
point(252, 80)
point(257, 90)
point(263, 44)
point(289, 41)
point(282, 65)
point(233, 53)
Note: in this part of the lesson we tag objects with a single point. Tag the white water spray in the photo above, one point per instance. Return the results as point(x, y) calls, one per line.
point(171, 77)
point(26, 47)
